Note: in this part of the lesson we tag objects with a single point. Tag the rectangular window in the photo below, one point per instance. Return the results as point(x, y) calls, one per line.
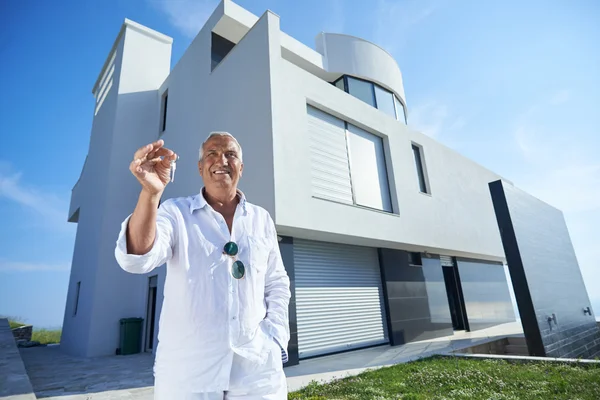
point(163, 111)
point(400, 113)
point(340, 84)
point(77, 289)
point(362, 90)
point(385, 101)
point(347, 163)
point(219, 48)
point(367, 168)
point(417, 153)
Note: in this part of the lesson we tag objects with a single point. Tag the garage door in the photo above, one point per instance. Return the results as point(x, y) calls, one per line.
point(339, 297)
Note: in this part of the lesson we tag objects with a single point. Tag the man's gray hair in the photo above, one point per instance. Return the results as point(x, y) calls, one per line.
point(212, 134)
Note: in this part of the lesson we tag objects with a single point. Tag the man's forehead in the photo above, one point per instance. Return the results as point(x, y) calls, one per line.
point(221, 141)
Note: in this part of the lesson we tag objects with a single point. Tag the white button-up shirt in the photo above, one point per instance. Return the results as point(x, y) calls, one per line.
point(207, 314)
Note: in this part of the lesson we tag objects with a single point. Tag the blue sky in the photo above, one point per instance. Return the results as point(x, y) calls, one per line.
point(513, 85)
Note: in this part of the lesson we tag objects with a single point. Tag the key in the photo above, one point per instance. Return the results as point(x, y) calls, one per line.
point(173, 167)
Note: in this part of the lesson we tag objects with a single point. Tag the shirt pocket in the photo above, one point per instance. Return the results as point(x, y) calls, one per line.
point(259, 251)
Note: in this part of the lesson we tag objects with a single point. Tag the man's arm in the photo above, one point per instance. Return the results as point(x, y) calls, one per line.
point(158, 230)
point(277, 295)
point(141, 229)
point(146, 237)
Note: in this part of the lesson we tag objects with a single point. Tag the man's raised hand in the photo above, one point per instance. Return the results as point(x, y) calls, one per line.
point(151, 166)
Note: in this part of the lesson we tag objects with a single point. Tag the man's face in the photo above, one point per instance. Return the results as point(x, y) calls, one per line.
point(221, 166)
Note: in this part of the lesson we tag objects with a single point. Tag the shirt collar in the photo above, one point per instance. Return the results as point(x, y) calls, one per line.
point(199, 201)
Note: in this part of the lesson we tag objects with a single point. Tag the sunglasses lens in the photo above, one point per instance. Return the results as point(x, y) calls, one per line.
point(238, 270)
point(230, 248)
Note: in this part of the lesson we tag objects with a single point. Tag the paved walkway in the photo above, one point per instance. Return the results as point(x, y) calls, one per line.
point(57, 376)
point(14, 383)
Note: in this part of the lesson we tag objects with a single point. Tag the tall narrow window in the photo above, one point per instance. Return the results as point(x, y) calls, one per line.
point(163, 111)
point(76, 298)
point(420, 168)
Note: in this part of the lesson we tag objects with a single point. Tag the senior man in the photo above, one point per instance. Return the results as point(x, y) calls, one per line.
point(223, 329)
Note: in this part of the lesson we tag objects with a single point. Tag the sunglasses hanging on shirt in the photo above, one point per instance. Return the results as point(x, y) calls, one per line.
point(237, 268)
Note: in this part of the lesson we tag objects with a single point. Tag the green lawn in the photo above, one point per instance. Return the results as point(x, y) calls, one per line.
point(461, 378)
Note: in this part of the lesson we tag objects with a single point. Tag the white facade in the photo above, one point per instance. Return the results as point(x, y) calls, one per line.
point(261, 92)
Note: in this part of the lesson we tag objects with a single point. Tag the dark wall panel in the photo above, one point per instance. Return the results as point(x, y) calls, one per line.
point(553, 302)
point(286, 247)
point(486, 294)
point(417, 304)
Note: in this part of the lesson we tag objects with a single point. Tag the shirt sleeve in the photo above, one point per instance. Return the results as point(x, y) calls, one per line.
point(161, 251)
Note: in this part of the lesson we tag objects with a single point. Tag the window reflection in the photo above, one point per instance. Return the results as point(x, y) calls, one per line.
point(374, 95)
point(400, 110)
point(362, 90)
point(385, 101)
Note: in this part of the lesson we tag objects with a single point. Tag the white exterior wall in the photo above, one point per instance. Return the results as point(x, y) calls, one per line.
point(125, 121)
point(260, 98)
point(457, 219)
point(357, 57)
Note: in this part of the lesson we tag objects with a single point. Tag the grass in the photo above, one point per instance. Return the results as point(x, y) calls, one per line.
point(461, 378)
point(15, 324)
point(45, 336)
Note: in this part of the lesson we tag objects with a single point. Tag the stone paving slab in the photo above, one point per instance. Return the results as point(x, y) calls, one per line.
point(54, 373)
point(57, 376)
point(14, 382)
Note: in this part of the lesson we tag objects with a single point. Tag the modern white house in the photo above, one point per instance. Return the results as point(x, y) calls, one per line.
point(387, 235)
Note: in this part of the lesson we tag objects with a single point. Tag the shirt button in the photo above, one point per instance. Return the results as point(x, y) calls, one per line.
point(233, 318)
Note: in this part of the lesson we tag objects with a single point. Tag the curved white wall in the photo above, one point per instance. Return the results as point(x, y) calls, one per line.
point(354, 56)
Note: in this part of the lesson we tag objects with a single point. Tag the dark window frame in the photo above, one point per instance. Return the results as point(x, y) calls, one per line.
point(77, 291)
point(163, 110)
point(418, 157)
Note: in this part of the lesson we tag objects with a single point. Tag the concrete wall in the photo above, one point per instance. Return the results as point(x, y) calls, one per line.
point(261, 99)
point(88, 197)
point(126, 120)
point(549, 288)
point(456, 219)
point(354, 56)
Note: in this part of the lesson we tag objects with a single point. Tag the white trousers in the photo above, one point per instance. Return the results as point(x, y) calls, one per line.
point(247, 382)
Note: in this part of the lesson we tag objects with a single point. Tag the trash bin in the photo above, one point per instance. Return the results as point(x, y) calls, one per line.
point(131, 336)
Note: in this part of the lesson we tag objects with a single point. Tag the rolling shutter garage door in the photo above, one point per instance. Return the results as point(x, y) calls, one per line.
point(339, 297)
